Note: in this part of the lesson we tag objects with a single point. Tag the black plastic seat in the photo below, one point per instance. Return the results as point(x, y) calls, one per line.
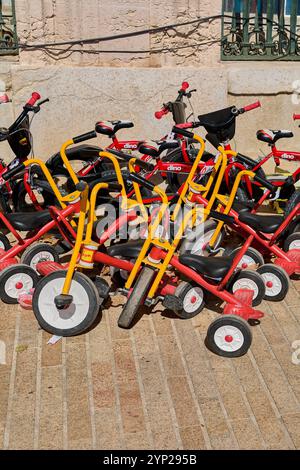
point(110, 128)
point(148, 149)
point(154, 149)
point(25, 221)
point(262, 223)
point(213, 267)
point(271, 136)
point(129, 249)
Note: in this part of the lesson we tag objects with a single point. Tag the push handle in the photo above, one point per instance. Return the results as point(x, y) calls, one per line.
point(185, 133)
point(159, 114)
point(83, 137)
point(296, 117)
point(228, 219)
point(14, 171)
point(115, 187)
point(34, 97)
point(265, 183)
point(249, 107)
point(142, 181)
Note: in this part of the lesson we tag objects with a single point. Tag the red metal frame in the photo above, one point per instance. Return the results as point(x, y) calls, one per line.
point(277, 155)
point(168, 287)
point(267, 242)
point(22, 244)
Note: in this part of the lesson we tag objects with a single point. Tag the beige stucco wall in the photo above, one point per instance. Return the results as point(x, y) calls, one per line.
point(84, 88)
point(41, 21)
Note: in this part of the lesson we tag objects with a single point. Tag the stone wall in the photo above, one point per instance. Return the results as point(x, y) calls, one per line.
point(41, 21)
point(84, 88)
point(79, 96)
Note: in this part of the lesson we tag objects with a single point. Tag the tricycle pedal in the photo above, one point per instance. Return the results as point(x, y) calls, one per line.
point(63, 301)
point(103, 287)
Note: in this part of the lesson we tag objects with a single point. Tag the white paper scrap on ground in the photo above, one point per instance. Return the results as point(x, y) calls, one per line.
point(54, 339)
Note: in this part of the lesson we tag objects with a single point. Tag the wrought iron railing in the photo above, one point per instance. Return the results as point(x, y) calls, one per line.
point(8, 30)
point(261, 30)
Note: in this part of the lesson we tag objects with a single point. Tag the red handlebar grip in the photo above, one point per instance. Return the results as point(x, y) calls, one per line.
point(34, 97)
point(185, 125)
point(161, 113)
point(252, 106)
point(184, 86)
point(4, 98)
point(296, 117)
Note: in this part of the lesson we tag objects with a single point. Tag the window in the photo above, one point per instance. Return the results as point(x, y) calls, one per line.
point(261, 30)
point(8, 34)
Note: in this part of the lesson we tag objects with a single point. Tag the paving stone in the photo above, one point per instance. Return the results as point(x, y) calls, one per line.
point(292, 423)
point(155, 386)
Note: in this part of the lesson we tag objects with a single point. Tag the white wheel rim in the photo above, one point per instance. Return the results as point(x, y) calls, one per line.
point(272, 283)
point(229, 338)
point(70, 317)
point(294, 245)
point(2, 247)
point(246, 261)
point(198, 247)
point(201, 242)
point(193, 299)
point(245, 283)
point(17, 284)
point(39, 257)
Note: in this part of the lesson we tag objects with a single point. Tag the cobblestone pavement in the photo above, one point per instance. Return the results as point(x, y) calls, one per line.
point(155, 386)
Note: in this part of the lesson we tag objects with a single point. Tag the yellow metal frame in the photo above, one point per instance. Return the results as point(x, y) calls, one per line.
point(82, 250)
point(190, 187)
point(63, 200)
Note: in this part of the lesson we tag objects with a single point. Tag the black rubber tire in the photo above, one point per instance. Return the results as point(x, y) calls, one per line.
point(41, 292)
point(229, 321)
point(292, 238)
point(253, 276)
point(33, 250)
point(282, 279)
point(136, 298)
point(16, 270)
point(251, 252)
point(4, 242)
point(292, 203)
point(183, 289)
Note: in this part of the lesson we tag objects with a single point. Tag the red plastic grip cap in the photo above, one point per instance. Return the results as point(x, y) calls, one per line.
point(4, 98)
point(184, 86)
point(161, 113)
point(185, 125)
point(252, 106)
point(34, 97)
point(296, 117)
